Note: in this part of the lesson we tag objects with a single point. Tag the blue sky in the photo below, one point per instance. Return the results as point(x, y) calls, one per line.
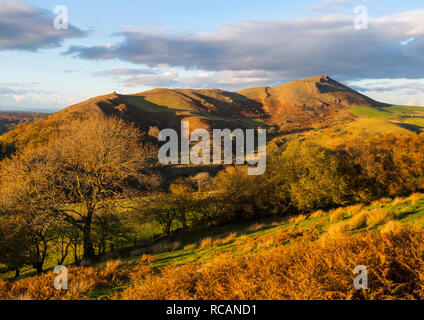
point(130, 46)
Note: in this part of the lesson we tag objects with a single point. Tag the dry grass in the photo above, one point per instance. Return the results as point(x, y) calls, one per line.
point(381, 202)
point(256, 227)
point(81, 281)
point(313, 270)
point(309, 268)
point(229, 238)
point(354, 210)
point(397, 201)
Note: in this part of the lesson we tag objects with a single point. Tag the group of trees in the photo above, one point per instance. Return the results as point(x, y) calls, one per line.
point(67, 188)
point(301, 177)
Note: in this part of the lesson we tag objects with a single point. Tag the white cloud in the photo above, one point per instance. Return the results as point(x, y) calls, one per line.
point(25, 27)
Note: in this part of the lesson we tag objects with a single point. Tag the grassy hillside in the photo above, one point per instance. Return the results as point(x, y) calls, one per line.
point(369, 122)
point(308, 100)
point(264, 259)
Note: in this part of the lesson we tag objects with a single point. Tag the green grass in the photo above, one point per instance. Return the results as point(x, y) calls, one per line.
point(370, 112)
point(392, 112)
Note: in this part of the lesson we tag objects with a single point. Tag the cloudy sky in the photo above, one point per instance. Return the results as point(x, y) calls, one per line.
point(130, 46)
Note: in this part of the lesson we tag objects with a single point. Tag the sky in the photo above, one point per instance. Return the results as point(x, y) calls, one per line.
point(129, 46)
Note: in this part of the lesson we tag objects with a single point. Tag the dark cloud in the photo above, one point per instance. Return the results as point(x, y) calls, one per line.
point(293, 48)
point(25, 27)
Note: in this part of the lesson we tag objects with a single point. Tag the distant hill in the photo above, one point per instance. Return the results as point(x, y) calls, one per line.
point(297, 105)
point(9, 119)
point(307, 100)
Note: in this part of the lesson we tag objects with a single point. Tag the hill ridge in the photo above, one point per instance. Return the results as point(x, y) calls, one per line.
point(295, 105)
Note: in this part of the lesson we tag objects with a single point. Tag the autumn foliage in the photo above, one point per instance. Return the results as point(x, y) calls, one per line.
point(321, 269)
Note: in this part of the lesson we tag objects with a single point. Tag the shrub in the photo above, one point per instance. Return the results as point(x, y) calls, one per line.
point(337, 230)
point(190, 246)
point(206, 243)
point(415, 198)
point(298, 218)
point(378, 216)
point(337, 215)
point(318, 214)
point(359, 220)
point(392, 226)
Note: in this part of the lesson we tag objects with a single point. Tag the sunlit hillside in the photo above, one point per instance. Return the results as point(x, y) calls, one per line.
point(301, 105)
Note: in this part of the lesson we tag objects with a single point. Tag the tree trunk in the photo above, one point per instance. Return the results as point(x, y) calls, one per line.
point(76, 258)
point(183, 220)
point(39, 267)
point(87, 241)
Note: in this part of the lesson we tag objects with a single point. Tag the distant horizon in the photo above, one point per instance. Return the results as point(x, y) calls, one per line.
point(28, 109)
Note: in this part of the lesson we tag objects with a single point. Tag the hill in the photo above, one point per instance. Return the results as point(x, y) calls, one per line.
point(9, 119)
point(309, 100)
point(297, 105)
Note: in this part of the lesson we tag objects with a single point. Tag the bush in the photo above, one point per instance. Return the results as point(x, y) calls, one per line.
point(378, 216)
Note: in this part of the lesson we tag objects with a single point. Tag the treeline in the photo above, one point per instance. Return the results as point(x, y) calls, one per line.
point(301, 177)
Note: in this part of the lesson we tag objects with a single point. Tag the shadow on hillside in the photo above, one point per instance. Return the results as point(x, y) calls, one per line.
point(410, 127)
